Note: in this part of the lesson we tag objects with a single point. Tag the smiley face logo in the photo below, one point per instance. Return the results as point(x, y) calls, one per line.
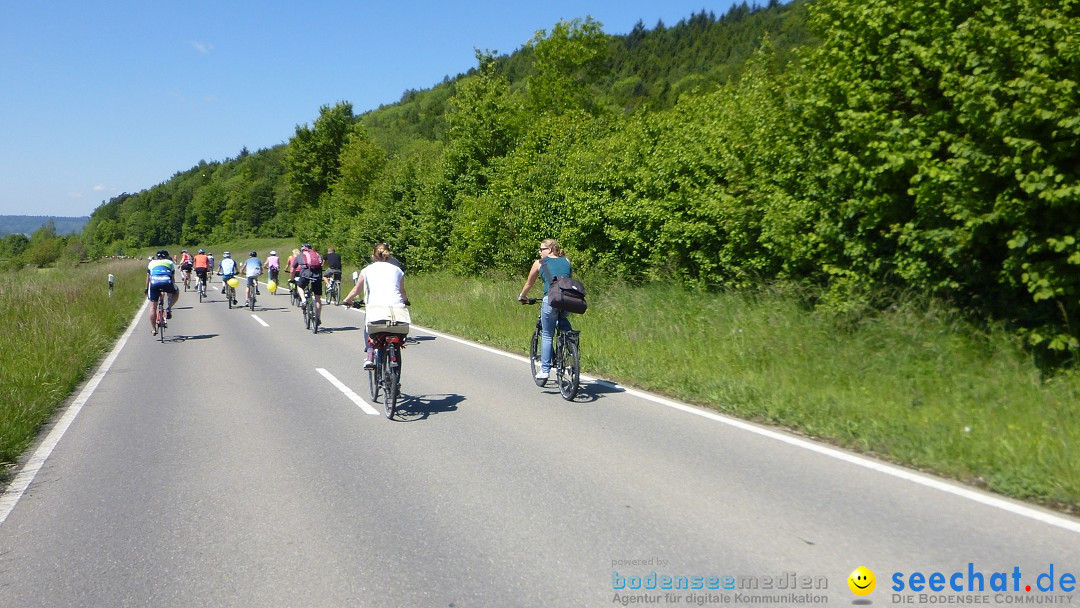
point(861, 581)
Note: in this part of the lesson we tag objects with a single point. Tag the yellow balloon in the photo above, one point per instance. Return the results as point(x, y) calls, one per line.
point(272, 286)
point(233, 282)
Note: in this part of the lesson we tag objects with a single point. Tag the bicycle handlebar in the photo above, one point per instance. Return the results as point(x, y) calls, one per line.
point(360, 304)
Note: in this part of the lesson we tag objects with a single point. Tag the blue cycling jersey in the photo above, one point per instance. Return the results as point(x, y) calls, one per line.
point(161, 271)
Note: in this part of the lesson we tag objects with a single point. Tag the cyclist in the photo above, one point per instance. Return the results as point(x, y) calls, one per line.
point(307, 268)
point(227, 269)
point(186, 263)
point(552, 263)
point(210, 267)
point(273, 264)
point(292, 280)
point(383, 283)
point(252, 268)
point(161, 277)
point(201, 264)
point(333, 266)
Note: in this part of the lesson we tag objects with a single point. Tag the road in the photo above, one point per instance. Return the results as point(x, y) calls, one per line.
point(223, 468)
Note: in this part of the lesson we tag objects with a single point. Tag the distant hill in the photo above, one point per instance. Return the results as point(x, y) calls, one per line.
point(27, 224)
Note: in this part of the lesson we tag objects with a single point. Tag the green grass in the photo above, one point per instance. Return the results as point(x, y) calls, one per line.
point(57, 324)
point(915, 385)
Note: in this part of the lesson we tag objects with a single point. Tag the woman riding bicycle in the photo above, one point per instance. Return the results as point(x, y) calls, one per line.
point(551, 263)
point(383, 283)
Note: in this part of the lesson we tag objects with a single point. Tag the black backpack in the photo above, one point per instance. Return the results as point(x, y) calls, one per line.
point(564, 293)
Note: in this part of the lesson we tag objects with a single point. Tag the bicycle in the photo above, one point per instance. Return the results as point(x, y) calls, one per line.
point(385, 377)
point(294, 294)
point(229, 291)
point(200, 286)
point(565, 357)
point(333, 291)
point(161, 319)
point(251, 296)
point(311, 319)
point(187, 279)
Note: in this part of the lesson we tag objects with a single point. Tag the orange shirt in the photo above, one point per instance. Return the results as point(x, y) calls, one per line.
point(201, 261)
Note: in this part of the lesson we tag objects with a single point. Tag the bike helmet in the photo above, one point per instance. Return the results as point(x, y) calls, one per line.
point(306, 246)
point(253, 254)
point(183, 251)
point(226, 254)
point(162, 254)
point(202, 251)
point(273, 253)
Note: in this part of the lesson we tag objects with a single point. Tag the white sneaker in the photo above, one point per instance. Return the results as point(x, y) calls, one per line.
point(542, 375)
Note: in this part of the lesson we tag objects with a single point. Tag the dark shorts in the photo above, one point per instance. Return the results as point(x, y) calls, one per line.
point(251, 281)
point(156, 290)
point(334, 273)
point(201, 273)
point(186, 267)
point(313, 277)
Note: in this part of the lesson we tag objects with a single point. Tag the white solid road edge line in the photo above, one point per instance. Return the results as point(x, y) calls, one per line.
point(26, 476)
point(348, 392)
point(978, 496)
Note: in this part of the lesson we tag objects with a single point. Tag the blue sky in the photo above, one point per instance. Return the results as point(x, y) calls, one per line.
point(99, 98)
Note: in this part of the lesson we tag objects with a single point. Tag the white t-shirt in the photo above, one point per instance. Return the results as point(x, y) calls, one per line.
point(382, 281)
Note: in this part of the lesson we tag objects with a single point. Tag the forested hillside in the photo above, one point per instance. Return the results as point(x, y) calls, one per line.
point(861, 146)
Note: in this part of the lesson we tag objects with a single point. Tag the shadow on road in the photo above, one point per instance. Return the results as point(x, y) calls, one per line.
point(330, 330)
point(588, 392)
point(186, 338)
point(419, 407)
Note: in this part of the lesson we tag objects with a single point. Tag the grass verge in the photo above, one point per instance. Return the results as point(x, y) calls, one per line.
point(915, 385)
point(57, 324)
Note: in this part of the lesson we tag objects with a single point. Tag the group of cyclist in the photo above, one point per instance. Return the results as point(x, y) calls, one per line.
point(305, 267)
point(382, 282)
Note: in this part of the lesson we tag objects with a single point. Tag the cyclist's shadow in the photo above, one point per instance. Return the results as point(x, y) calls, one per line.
point(588, 392)
point(418, 407)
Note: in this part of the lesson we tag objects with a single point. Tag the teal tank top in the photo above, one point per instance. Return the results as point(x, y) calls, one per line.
point(553, 267)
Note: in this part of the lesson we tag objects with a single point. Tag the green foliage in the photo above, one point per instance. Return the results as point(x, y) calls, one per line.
point(566, 63)
point(311, 162)
point(948, 133)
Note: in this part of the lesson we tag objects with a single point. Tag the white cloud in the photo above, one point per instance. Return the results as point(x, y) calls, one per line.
point(100, 188)
point(203, 47)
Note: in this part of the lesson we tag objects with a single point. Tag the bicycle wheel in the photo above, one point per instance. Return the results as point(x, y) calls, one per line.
point(199, 287)
point(391, 375)
point(569, 365)
point(251, 299)
point(228, 296)
point(313, 313)
point(374, 377)
point(534, 357)
point(307, 317)
point(161, 319)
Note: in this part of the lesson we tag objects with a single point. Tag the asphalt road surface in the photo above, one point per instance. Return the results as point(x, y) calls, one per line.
point(227, 467)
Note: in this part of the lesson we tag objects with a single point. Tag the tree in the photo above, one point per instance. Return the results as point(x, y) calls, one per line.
point(311, 162)
point(568, 61)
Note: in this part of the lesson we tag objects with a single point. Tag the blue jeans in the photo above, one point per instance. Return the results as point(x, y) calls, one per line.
point(549, 317)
